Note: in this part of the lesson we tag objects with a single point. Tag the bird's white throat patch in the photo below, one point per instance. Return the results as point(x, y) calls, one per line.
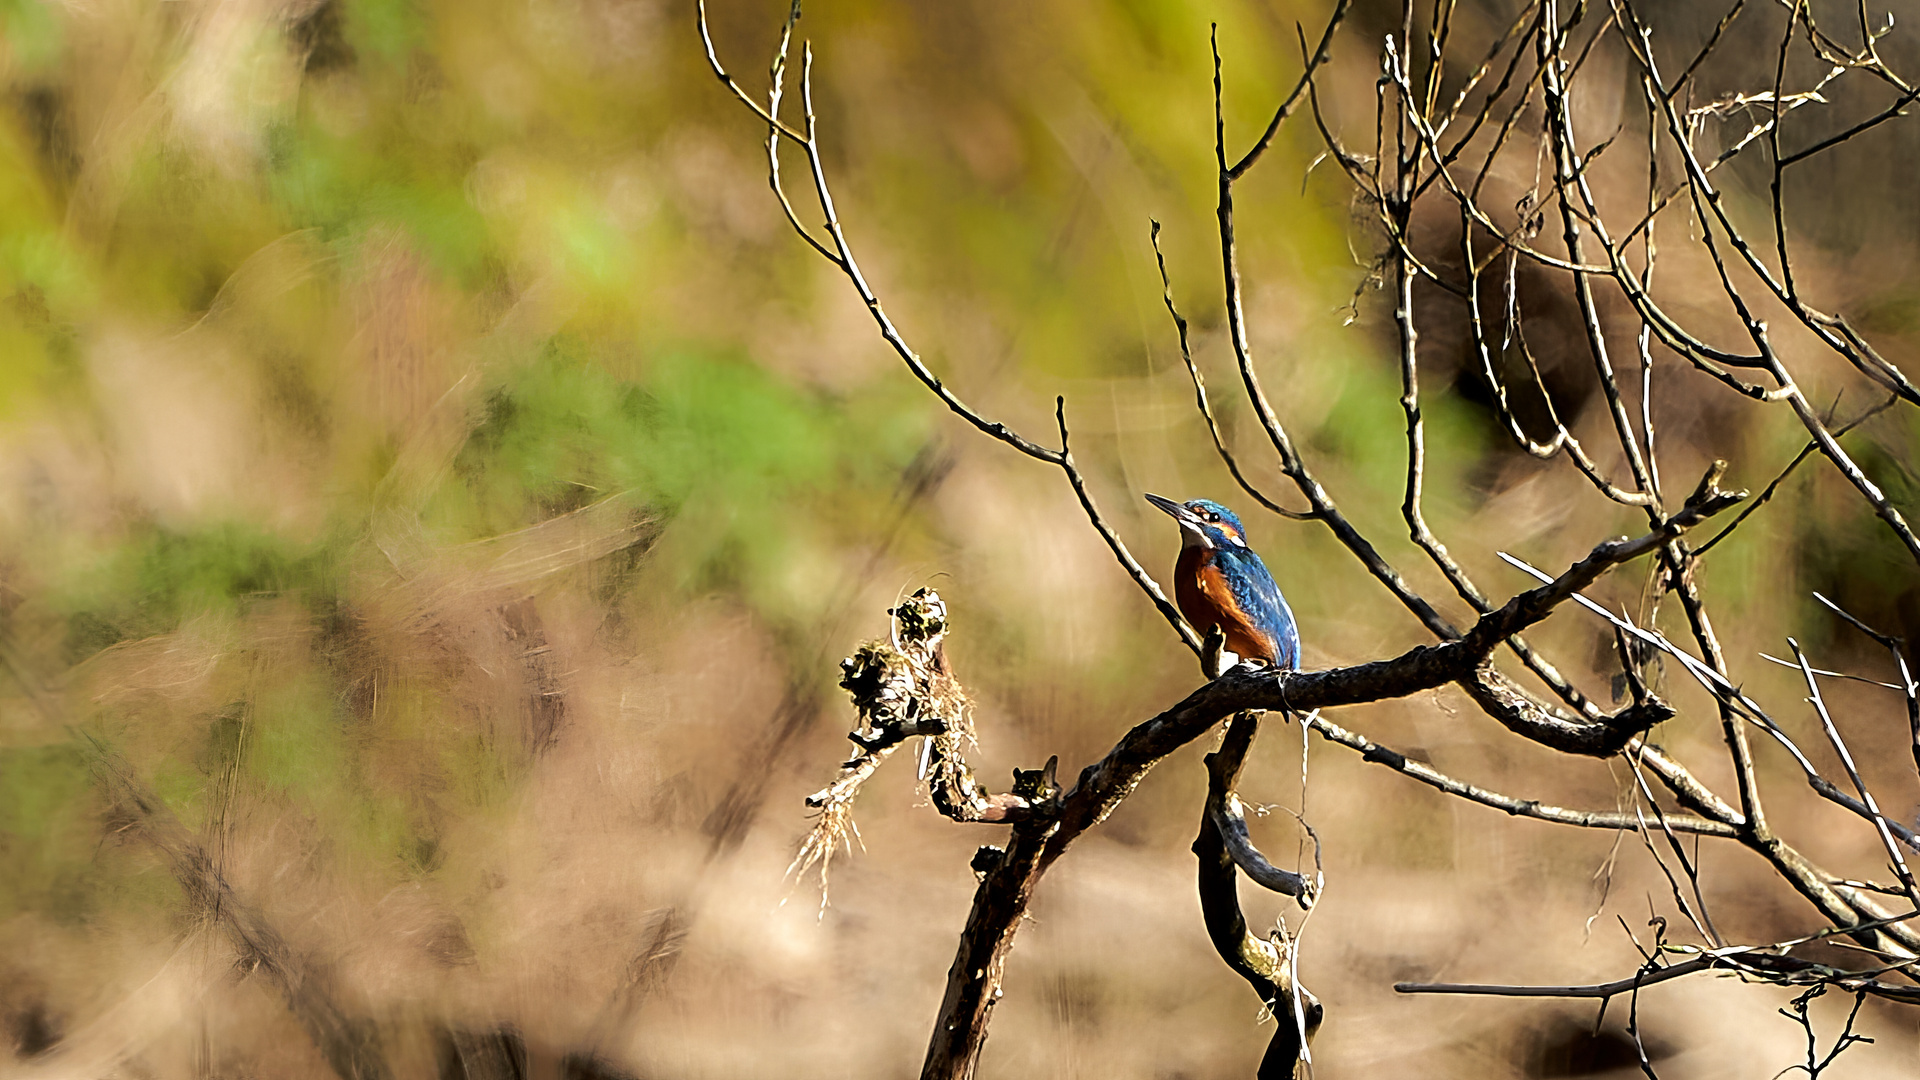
point(1191, 536)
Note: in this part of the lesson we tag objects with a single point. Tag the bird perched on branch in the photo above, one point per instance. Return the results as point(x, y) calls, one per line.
point(1225, 591)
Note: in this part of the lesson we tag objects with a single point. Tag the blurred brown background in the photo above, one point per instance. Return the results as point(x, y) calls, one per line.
point(432, 471)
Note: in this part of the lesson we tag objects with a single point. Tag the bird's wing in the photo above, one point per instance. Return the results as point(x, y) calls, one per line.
point(1257, 595)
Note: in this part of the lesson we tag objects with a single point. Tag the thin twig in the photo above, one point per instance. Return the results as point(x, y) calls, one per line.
point(1200, 393)
point(1909, 687)
point(1513, 805)
point(1853, 774)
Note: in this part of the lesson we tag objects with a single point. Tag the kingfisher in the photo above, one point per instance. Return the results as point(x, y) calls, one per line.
point(1218, 581)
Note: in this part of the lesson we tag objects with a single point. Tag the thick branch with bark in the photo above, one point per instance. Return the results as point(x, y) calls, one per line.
point(914, 696)
point(1267, 964)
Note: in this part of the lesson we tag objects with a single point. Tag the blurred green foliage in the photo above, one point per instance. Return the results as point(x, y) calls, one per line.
point(156, 577)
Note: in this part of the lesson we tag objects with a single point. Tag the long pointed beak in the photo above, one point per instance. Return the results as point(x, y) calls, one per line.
point(1180, 513)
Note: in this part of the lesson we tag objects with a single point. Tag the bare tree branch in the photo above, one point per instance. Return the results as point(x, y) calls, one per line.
point(1419, 146)
point(1518, 807)
point(1267, 964)
point(1853, 773)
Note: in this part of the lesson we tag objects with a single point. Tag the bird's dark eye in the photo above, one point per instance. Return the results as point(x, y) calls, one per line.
point(1213, 518)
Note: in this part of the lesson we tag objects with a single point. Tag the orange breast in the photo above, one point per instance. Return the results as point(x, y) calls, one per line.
point(1206, 602)
point(1187, 594)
